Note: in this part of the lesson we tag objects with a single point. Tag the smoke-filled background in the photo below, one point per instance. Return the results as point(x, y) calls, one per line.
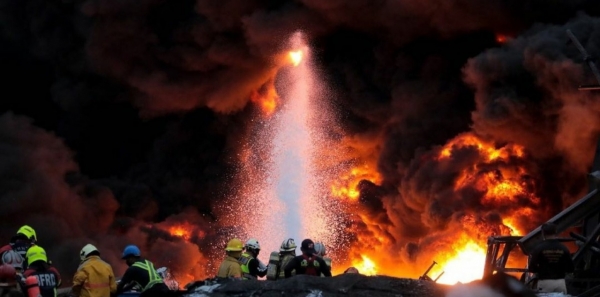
point(124, 119)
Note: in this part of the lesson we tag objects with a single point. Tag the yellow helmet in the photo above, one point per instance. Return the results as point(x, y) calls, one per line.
point(235, 245)
point(36, 253)
point(28, 232)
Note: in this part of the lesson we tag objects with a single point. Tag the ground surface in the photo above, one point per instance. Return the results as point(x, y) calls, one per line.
point(342, 285)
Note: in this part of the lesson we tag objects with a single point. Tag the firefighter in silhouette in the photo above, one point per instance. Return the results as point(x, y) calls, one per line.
point(551, 261)
point(251, 267)
point(141, 272)
point(15, 252)
point(307, 263)
point(321, 252)
point(231, 267)
point(278, 260)
point(47, 276)
point(94, 277)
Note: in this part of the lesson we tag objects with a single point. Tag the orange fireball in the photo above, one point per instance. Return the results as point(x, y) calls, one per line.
point(266, 98)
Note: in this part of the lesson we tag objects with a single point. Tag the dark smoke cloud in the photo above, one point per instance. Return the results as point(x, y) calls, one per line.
point(152, 97)
point(525, 93)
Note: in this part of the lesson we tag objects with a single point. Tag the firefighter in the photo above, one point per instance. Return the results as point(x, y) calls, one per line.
point(278, 260)
point(251, 267)
point(9, 286)
point(551, 260)
point(15, 252)
point(321, 252)
point(231, 267)
point(307, 263)
point(94, 277)
point(47, 276)
point(141, 272)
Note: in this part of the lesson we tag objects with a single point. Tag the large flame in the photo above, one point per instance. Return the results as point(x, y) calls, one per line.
point(365, 265)
point(462, 255)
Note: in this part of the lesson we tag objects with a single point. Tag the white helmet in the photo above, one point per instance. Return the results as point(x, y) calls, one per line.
point(86, 250)
point(288, 245)
point(320, 249)
point(13, 259)
point(252, 244)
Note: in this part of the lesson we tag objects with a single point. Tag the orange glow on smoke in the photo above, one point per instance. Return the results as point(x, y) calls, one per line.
point(181, 231)
point(503, 38)
point(296, 57)
point(347, 185)
point(486, 148)
point(266, 98)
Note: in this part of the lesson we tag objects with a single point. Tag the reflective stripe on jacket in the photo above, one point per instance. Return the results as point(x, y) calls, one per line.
point(244, 261)
point(153, 277)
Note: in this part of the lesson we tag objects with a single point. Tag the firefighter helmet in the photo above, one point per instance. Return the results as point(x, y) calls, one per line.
point(234, 245)
point(28, 232)
point(8, 275)
point(131, 250)
point(36, 253)
point(320, 249)
point(86, 250)
point(288, 245)
point(252, 244)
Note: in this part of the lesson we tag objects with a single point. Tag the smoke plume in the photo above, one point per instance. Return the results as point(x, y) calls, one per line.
point(123, 119)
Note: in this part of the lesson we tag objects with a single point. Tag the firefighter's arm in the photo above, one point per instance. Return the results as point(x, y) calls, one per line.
point(78, 281)
point(58, 279)
point(111, 280)
point(125, 280)
point(289, 267)
point(325, 269)
point(254, 268)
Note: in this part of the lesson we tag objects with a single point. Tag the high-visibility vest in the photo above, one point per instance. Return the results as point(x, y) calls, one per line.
point(153, 277)
point(244, 261)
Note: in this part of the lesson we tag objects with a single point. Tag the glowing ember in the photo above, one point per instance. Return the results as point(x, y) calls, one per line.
point(465, 265)
point(366, 266)
point(502, 38)
point(296, 57)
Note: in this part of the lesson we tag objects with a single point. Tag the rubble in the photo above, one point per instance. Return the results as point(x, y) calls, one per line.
point(302, 285)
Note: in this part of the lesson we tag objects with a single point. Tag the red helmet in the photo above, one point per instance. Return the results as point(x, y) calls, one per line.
point(8, 275)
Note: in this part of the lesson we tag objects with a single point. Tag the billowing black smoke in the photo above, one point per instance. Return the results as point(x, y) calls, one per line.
point(150, 99)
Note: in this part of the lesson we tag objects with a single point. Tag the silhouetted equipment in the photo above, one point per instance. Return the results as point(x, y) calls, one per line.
point(583, 215)
point(589, 60)
point(426, 277)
